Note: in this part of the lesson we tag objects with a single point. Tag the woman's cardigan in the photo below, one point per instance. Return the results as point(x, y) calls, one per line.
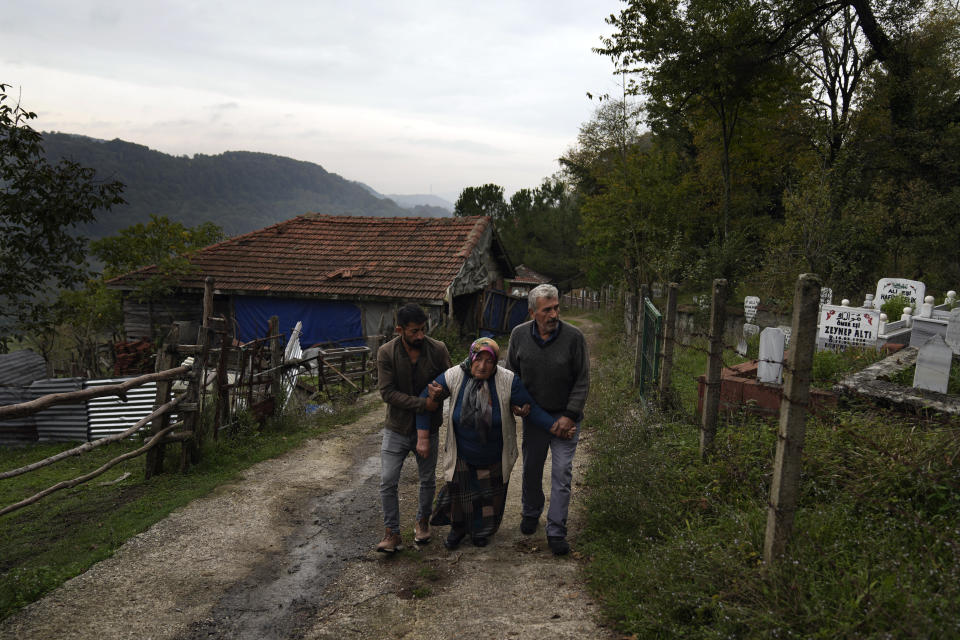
point(503, 385)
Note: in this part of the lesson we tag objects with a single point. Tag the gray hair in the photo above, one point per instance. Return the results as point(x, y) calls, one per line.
point(541, 291)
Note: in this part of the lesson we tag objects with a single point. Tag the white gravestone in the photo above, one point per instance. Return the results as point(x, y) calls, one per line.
point(868, 303)
point(787, 331)
point(748, 331)
point(826, 295)
point(926, 309)
point(953, 331)
point(887, 288)
point(933, 366)
point(750, 304)
point(907, 316)
point(842, 327)
point(770, 365)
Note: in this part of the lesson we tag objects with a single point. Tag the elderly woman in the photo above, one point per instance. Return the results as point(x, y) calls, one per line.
point(481, 442)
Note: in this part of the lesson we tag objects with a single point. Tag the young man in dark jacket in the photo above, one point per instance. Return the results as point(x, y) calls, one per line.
point(405, 365)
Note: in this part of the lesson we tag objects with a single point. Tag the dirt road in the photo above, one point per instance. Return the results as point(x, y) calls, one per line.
point(287, 552)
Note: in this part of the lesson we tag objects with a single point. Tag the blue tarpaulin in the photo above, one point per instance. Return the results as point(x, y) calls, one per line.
point(323, 320)
point(501, 312)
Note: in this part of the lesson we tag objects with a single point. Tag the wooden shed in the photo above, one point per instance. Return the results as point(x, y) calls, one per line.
point(343, 276)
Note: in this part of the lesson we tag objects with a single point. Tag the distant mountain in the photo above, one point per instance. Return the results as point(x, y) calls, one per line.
point(425, 200)
point(239, 190)
point(423, 204)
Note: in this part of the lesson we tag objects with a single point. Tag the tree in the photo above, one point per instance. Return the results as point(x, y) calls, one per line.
point(487, 200)
point(160, 242)
point(40, 206)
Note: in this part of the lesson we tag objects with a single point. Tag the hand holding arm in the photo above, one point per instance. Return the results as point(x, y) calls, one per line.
point(521, 412)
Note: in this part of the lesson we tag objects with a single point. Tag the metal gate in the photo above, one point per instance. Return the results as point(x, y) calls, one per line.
point(650, 337)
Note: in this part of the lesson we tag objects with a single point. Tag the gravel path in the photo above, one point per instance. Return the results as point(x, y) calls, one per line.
point(287, 552)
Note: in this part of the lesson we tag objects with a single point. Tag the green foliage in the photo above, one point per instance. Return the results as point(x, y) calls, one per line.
point(41, 206)
point(64, 534)
point(539, 227)
point(486, 200)
point(676, 544)
point(161, 242)
point(894, 307)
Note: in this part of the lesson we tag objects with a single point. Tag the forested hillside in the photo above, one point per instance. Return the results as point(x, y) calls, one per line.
point(239, 190)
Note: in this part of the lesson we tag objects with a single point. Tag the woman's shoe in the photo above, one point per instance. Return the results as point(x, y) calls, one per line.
point(452, 541)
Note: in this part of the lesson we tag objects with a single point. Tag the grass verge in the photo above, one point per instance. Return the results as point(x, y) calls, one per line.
point(64, 534)
point(675, 545)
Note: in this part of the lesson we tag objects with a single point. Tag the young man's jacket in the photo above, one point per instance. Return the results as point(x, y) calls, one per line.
point(400, 382)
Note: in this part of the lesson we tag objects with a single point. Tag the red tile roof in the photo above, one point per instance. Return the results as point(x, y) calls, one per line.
point(337, 256)
point(526, 275)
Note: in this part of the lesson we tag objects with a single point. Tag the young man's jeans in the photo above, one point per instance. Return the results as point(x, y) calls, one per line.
point(393, 452)
point(536, 444)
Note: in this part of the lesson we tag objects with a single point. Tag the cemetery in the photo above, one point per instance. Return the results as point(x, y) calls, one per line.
point(915, 366)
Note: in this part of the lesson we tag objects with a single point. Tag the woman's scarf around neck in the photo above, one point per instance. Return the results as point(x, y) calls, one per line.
point(476, 409)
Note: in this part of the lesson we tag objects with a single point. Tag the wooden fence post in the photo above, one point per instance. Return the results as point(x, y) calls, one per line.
point(276, 359)
point(793, 415)
point(165, 360)
point(711, 400)
point(669, 336)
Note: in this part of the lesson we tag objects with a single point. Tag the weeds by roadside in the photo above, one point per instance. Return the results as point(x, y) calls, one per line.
point(47, 543)
point(676, 545)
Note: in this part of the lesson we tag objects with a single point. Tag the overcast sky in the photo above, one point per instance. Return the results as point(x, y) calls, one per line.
point(417, 96)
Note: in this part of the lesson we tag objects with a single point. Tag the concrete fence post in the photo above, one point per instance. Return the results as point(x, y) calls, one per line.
point(793, 415)
point(711, 399)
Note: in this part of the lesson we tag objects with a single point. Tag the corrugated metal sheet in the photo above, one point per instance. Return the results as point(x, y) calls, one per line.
point(62, 422)
point(20, 368)
point(109, 415)
point(16, 430)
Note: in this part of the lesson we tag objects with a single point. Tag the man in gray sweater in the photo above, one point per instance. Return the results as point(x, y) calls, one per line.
point(551, 358)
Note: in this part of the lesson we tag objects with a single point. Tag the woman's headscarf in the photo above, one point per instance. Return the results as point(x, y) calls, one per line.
point(476, 411)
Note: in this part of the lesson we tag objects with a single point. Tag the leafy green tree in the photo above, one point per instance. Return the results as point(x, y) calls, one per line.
point(40, 207)
point(161, 242)
point(486, 200)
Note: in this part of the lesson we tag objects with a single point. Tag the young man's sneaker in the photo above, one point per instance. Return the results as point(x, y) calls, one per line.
point(528, 524)
point(391, 542)
point(421, 531)
point(558, 545)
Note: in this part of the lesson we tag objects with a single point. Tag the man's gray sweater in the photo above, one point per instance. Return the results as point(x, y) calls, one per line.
point(556, 373)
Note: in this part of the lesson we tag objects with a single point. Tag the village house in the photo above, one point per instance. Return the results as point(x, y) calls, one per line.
point(343, 276)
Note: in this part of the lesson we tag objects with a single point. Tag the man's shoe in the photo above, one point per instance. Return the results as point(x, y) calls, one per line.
point(391, 542)
point(452, 541)
point(528, 524)
point(558, 545)
point(421, 531)
point(480, 541)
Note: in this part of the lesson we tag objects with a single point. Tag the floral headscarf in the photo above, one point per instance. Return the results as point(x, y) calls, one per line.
point(485, 344)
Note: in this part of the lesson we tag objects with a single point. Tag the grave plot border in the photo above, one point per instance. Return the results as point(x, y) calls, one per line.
point(868, 383)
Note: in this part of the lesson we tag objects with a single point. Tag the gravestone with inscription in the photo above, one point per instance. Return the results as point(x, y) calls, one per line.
point(843, 327)
point(787, 331)
point(750, 304)
point(887, 288)
point(933, 366)
point(826, 295)
point(770, 364)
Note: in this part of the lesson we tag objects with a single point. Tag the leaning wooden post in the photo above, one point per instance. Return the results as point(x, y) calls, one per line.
point(165, 360)
point(669, 336)
point(276, 359)
point(711, 399)
point(793, 416)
